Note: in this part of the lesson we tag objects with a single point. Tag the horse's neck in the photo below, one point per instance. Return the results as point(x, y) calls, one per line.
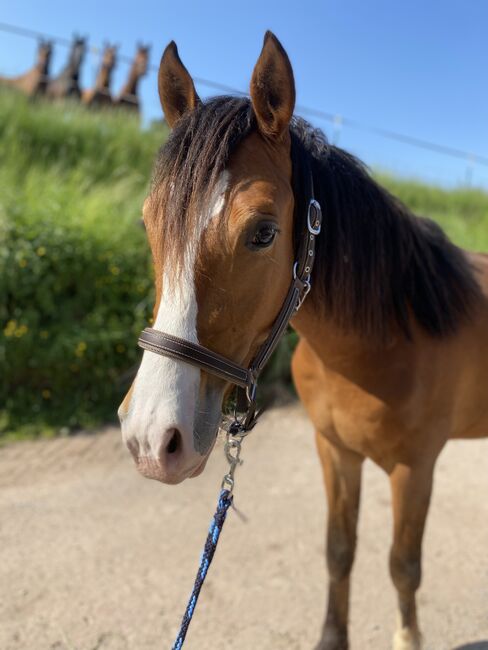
point(40, 67)
point(70, 71)
point(347, 362)
point(130, 88)
point(331, 341)
point(103, 77)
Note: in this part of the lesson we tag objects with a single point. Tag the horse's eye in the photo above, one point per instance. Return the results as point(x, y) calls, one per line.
point(264, 235)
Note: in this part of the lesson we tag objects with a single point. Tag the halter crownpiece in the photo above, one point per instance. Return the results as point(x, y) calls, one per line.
point(245, 378)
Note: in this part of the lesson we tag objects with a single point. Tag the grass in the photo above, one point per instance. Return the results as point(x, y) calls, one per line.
point(462, 212)
point(63, 168)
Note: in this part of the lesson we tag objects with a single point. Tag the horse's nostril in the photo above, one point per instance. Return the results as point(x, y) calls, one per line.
point(174, 443)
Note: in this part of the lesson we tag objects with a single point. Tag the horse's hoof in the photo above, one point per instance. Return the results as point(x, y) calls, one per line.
point(407, 639)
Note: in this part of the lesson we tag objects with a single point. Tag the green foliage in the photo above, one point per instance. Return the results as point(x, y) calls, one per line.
point(75, 278)
point(462, 213)
point(75, 274)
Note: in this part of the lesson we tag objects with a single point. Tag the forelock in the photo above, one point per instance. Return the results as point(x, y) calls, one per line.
point(189, 168)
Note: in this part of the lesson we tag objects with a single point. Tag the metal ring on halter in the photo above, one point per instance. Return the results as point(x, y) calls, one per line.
point(306, 291)
point(251, 390)
point(295, 268)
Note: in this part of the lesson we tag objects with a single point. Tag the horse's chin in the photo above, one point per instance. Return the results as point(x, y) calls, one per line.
point(199, 469)
point(201, 466)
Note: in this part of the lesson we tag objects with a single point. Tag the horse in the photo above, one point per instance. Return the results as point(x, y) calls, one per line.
point(34, 81)
point(66, 84)
point(392, 358)
point(128, 97)
point(100, 94)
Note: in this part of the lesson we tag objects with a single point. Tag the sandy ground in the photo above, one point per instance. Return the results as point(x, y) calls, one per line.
point(93, 557)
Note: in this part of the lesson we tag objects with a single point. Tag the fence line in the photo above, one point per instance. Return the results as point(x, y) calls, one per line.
point(338, 121)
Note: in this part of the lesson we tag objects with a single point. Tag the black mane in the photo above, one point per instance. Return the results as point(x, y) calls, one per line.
point(377, 264)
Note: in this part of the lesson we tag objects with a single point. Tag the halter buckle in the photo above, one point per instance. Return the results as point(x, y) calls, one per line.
point(314, 229)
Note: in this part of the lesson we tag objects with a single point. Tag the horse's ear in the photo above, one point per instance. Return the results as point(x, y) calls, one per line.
point(273, 88)
point(176, 89)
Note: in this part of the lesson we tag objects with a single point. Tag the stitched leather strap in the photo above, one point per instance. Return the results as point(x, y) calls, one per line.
point(213, 362)
point(195, 354)
point(298, 290)
point(280, 324)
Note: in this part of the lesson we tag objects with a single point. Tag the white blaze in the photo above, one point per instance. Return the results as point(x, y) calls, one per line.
point(165, 390)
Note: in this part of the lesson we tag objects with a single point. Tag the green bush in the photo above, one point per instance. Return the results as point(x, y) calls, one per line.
point(75, 276)
point(75, 292)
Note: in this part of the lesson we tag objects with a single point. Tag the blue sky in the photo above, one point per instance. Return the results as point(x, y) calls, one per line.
point(419, 67)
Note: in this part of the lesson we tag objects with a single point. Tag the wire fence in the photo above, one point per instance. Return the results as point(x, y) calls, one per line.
point(338, 121)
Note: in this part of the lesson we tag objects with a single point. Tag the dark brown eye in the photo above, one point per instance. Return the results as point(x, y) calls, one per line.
point(263, 235)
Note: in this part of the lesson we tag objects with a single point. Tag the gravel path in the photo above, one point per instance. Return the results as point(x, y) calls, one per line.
point(93, 557)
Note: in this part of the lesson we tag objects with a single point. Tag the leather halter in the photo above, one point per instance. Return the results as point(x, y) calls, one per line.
point(245, 378)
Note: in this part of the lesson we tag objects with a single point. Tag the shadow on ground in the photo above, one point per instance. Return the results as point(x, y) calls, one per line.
point(476, 645)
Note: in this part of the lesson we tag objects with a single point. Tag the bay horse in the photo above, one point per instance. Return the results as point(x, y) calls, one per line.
point(34, 81)
point(67, 83)
point(128, 96)
point(392, 359)
point(100, 94)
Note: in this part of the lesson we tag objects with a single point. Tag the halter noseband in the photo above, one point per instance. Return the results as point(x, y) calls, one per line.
point(216, 364)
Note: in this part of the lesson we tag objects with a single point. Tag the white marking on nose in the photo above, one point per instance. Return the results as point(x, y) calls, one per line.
point(165, 390)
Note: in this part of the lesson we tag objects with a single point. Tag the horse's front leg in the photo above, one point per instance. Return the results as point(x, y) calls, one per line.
point(342, 477)
point(411, 489)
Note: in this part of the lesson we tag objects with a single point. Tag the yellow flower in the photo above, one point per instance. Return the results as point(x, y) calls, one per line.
point(10, 328)
point(46, 393)
point(80, 349)
point(114, 270)
point(41, 251)
point(21, 330)
point(22, 263)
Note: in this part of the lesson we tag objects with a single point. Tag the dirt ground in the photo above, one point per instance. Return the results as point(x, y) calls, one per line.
point(93, 557)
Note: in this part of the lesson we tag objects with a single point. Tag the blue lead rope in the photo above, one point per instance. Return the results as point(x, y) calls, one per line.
point(225, 501)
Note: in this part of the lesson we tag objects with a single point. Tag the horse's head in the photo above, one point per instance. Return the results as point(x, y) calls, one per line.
point(219, 219)
point(141, 60)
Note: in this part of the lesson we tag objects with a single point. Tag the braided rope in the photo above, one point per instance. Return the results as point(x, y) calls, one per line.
point(225, 501)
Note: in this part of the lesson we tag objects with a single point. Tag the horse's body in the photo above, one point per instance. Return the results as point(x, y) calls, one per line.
point(128, 96)
point(100, 95)
point(66, 84)
point(393, 352)
point(34, 81)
